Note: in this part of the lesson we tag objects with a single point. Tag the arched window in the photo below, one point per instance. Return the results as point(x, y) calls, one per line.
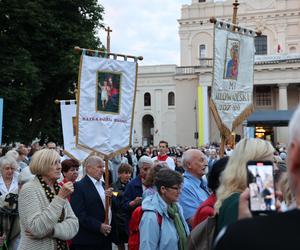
point(171, 99)
point(202, 51)
point(147, 99)
point(261, 45)
point(202, 54)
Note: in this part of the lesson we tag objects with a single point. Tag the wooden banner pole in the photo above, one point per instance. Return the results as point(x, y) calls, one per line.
point(235, 9)
point(107, 199)
point(222, 147)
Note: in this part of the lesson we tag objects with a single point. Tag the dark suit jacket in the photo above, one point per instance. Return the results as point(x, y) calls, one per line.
point(133, 189)
point(89, 209)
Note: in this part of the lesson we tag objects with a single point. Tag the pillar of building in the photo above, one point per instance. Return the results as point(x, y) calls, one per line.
point(282, 132)
point(203, 115)
point(157, 133)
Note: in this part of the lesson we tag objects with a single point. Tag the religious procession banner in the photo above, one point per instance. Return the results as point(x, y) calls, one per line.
point(232, 86)
point(68, 121)
point(106, 104)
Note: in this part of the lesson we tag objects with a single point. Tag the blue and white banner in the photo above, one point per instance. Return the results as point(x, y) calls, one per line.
point(68, 121)
point(232, 85)
point(106, 104)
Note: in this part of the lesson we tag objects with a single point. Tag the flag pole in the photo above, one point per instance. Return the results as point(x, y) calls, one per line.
point(107, 199)
point(235, 10)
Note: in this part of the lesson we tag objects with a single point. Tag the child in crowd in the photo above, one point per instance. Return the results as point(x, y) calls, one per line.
point(124, 173)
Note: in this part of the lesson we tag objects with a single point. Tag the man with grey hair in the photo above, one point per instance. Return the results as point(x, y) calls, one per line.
point(195, 189)
point(276, 231)
point(132, 196)
point(88, 203)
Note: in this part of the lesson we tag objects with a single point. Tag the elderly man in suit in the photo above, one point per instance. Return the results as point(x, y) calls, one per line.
point(88, 203)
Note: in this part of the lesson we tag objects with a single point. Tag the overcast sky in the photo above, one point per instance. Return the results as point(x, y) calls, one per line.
point(144, 28)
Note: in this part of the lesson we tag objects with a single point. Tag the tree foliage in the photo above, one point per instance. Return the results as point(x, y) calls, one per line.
point(38, 63)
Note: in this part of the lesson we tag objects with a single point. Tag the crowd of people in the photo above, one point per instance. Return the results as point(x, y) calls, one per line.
point(157, 196)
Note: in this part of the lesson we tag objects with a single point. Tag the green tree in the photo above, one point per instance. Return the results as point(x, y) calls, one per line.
point(38, 63)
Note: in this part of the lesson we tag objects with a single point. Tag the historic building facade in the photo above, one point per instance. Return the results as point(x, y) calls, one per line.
point(172, 101)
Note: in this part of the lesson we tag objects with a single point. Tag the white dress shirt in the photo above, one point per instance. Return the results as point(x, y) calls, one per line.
point(101, 192)
point(13, 188)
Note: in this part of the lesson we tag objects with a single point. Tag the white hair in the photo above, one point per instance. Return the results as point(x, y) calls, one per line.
point(13, 154)
point(188, 155)
point(7, 160)
point(294, 128)
point(92, 160)
point(145, 160)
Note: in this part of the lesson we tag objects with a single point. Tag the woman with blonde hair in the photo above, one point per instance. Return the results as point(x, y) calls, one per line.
point(234, 178)
point(46, 218)
point(288, 198)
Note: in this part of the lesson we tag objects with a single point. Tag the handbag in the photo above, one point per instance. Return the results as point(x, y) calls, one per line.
point(203, 235)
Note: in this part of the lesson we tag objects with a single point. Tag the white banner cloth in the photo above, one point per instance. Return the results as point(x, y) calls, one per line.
point(68, 121)
point(106, 104)
point(232, 85)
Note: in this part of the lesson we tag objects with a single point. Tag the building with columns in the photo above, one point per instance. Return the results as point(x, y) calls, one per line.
point(172, 101)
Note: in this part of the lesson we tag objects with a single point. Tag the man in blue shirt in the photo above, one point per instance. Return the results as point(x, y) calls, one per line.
point(195, 189)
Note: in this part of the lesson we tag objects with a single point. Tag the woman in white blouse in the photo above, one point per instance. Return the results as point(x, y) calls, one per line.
point(8, 176)
point(8, 186)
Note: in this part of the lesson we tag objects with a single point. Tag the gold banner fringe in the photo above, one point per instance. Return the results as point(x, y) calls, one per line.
point(223, 129)
point(102, 155)
point(67, 153)
point(243, 116)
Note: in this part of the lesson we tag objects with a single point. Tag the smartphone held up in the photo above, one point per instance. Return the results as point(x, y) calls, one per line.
point(261, 185)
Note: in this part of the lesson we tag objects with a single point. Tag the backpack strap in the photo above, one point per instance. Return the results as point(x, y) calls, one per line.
point(159, 218)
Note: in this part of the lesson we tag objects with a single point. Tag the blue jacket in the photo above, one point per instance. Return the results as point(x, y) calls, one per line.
point(88, 207)
point(154, 236)
point(133, 189)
